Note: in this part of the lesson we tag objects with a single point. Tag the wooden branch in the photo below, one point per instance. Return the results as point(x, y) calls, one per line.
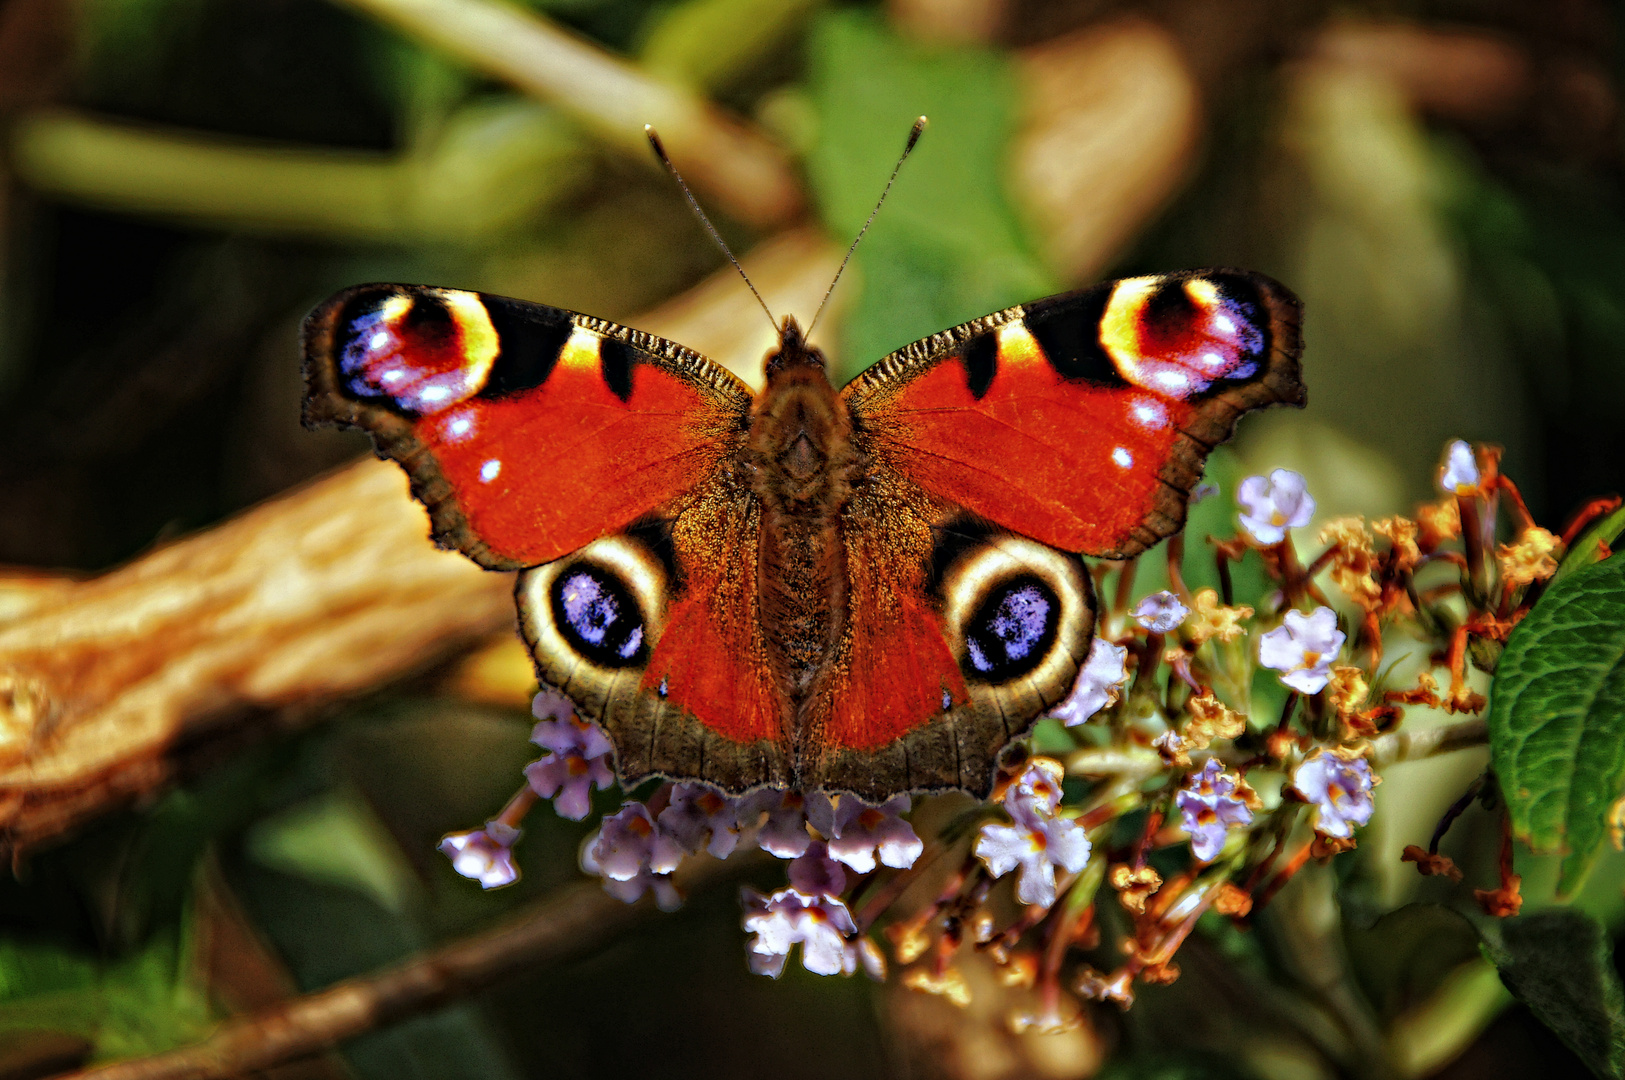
point(320, 594)
point(572, 923)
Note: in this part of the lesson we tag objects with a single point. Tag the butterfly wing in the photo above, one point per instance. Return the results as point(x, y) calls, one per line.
point(1083, 420)
point(599, 459)
point(997, 452)
point(527, 431)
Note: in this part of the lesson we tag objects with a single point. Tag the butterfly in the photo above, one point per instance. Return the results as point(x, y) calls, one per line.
point(874, 589)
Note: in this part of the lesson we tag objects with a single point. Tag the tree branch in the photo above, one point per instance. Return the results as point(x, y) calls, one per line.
point(572, 923)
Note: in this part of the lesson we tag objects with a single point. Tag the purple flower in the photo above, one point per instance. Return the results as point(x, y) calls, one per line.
point(486, 855)
point(1269, 507)
point(1099, 683)
point(1303, 648)
point(629, 890)
point(1458, 473)
point(1037, 847)
point(1161, 612)
point(1209, 809)
point(1034, 795)
point(785, 832)
point(821, 925)
point(856, 831)
point(630, 841)
point(1339, 789)
point(816, 874)
point(577, 757)
point(701, 816)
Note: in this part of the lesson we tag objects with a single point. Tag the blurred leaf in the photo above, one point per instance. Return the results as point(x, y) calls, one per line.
point(143, 1003)
point(947, 247)
point(1557, 716)
point(335, 838)
point(1587, 548)
point(1560, 963)
point(1408, 953)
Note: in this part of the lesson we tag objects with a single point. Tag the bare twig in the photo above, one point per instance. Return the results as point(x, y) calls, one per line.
point(572, 923)
point(1411, 745)
point(732, 162)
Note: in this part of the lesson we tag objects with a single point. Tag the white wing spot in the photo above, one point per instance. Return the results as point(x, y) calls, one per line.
point(490, 470)
point(1122, 457)
point(1151, 415)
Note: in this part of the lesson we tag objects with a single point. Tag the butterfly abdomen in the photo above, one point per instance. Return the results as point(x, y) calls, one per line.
point(800, 458)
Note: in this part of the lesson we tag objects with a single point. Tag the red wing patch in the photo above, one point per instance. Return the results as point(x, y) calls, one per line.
point(528, 431)
point(1083, 421)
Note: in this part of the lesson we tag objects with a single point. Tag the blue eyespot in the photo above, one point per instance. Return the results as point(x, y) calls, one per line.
point(598, 616)
point(1012, 630)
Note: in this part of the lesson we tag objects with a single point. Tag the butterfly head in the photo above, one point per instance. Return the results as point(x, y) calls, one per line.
point(793, 350)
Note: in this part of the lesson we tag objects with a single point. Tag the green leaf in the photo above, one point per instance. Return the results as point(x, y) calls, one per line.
point(1560, 963)
point(1587, 549)
point(144, 1003)
point(947, 247)
point(1557, 716)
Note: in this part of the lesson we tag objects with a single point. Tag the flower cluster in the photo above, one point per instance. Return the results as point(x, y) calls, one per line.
point(1207, 751)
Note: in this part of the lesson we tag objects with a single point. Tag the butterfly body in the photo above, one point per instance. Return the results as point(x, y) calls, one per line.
point(871, 589)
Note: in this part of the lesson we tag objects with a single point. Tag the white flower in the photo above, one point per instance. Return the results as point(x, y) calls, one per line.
point(1339, 789)
point(1099, 683)
point(1035, 794)
point(1161, 612)
point(856, 831)
point(821, 925)
point(629, 841)
point(1458, 473)
point(486, 855)
point(1037, 847)
point(1303, 648)
point(701, 816)
point(1269, 507)
point(1209, 808)
point(784, 834)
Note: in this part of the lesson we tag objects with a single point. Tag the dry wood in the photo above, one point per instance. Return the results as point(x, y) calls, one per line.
point(325, 592)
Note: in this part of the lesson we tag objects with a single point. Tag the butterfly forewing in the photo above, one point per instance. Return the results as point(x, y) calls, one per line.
point(1083, 420)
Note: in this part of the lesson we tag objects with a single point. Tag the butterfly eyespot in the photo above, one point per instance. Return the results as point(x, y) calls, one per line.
point(1013, 629)
point(590, 616)
point(424, 349)
point(1018, 614)
point(598, 615)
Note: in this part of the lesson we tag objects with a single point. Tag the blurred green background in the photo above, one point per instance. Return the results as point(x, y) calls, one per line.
point(184, 179)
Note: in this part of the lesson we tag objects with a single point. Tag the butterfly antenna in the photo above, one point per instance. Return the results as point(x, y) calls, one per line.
point(913, 137)
point(660, 152)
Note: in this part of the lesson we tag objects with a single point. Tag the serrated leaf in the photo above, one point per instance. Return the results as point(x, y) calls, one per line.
point(1587, 547)
point(1557, 716)
point(1560, 963)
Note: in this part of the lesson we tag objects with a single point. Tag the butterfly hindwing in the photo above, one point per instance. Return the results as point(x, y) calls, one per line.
point(1083, 420)
point(528, 431)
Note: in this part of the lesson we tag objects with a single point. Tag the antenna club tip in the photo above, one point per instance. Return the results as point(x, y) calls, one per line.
point(914, 134)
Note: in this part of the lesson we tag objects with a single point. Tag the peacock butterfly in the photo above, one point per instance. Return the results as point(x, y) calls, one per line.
point(873, 589)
